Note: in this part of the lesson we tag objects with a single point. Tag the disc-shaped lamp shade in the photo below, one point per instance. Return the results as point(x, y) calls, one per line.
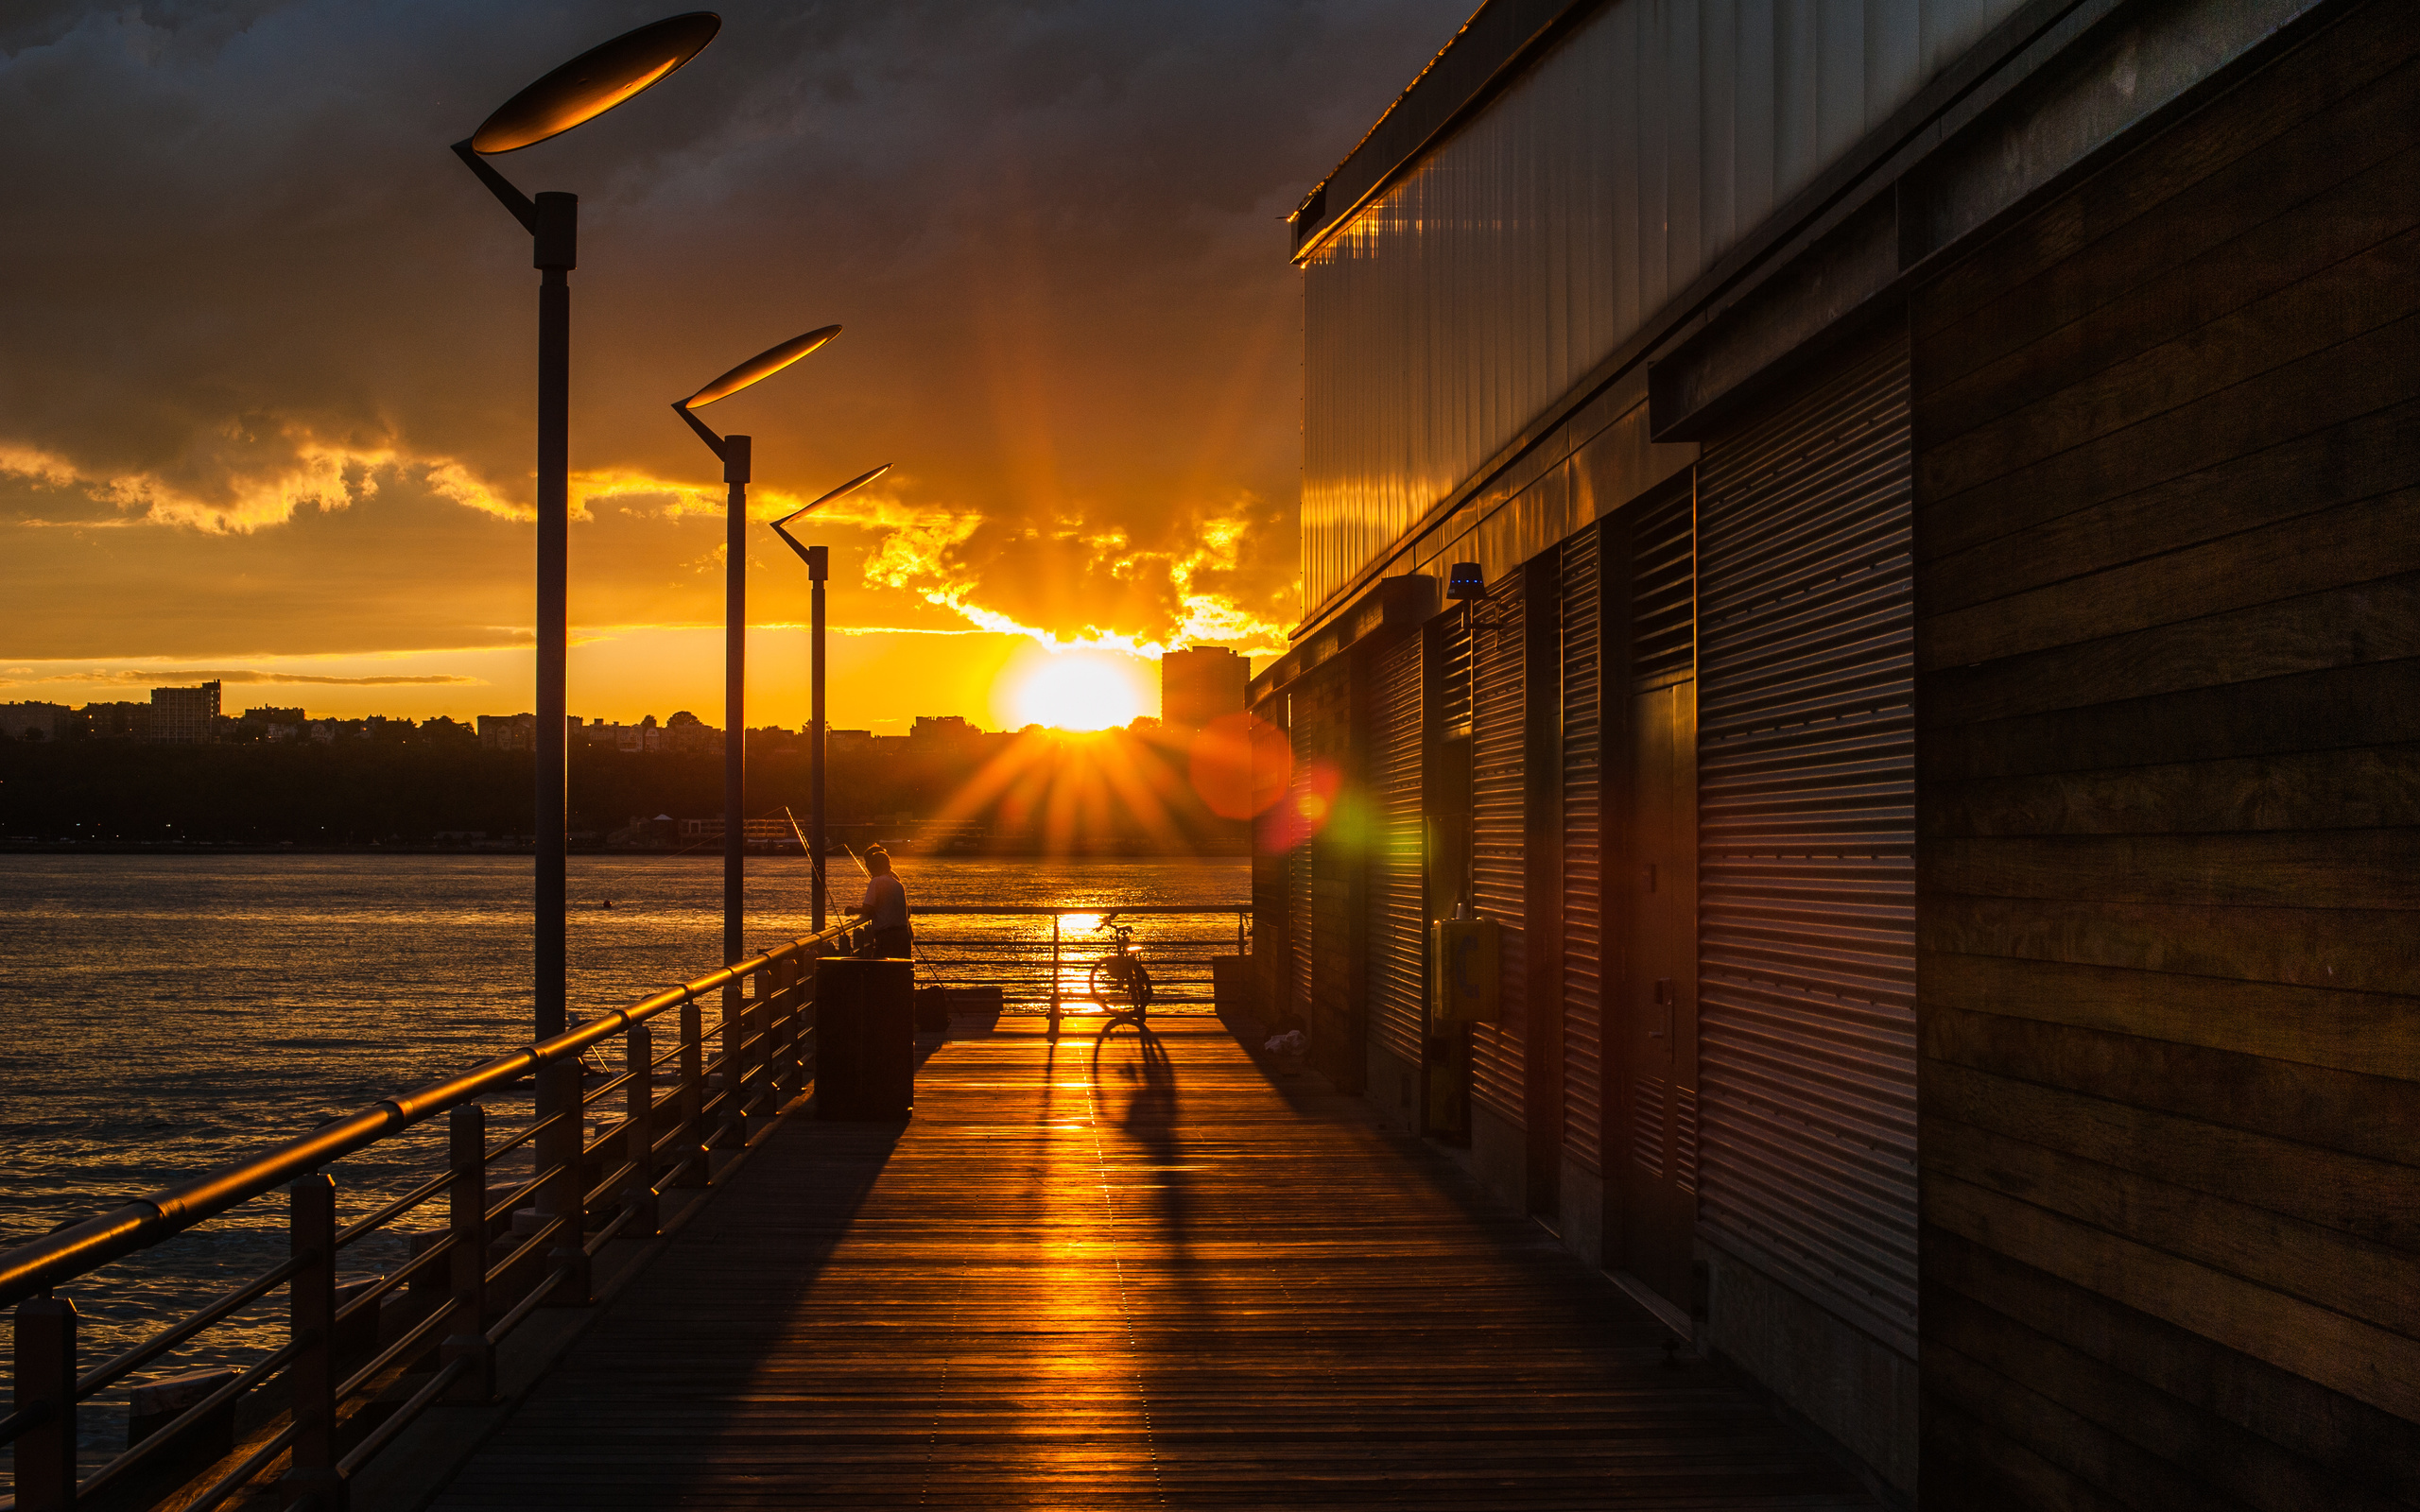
point(596, 81)
point(850, 487)
point(763, 364)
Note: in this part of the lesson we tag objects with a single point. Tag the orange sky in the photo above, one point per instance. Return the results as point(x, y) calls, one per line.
point(268, 406)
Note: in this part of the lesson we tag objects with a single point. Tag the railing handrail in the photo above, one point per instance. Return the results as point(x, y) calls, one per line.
point(68, 1252)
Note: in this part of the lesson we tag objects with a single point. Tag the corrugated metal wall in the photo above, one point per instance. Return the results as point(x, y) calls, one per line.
point(1807, 1005)
point(1479, 288)
point(1399, 903)
point(1499, 768)
point(1584, 877)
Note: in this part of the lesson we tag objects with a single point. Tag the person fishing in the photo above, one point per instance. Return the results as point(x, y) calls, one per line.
point(885, 907)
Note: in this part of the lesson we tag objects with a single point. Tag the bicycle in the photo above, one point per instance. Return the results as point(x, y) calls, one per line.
point(1120, 973)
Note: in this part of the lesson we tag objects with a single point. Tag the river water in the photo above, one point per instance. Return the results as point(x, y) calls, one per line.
point(168, 1015)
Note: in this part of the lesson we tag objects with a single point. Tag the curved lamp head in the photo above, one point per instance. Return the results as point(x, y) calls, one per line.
point(596, 81)
point(850, 487)
point(763, 364)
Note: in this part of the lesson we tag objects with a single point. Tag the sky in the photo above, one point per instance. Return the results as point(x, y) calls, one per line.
point(267, 413)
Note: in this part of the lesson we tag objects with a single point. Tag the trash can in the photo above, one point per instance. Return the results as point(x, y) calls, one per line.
point(864, 1039)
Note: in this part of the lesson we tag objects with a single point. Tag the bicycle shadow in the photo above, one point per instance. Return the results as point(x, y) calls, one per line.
point(1139, 1093)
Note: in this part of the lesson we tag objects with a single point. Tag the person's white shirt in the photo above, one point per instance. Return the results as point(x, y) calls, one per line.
point(886, 903)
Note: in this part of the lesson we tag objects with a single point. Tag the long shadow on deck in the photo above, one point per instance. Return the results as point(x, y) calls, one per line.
point(1126, 1272)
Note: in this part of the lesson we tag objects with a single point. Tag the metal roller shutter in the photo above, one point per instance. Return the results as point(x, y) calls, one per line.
point(1398, 903)
point(1807, 959)
point(1582, 851)
point(1298, 866)
point(1499, 817)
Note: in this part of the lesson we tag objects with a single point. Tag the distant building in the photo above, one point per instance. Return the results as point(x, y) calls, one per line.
point(34, 721)
point(508, 732)
point(116, 721)
point(184, 717)
point(760, 832)
point(1200, 685)
point(942, 727)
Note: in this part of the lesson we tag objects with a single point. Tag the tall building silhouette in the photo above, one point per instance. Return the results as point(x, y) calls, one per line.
point(184, 717)
point(1201, 684)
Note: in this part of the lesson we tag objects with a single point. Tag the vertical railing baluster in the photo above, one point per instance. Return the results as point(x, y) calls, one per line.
point(311, 1319)
point(466, 1198)
point(46, 1365)
point(753, 1043)
point(691, 1168)
point(639, 1130)
point(729, 1132)
point(801, 1020)
point(565, 1194)
point(787, 998)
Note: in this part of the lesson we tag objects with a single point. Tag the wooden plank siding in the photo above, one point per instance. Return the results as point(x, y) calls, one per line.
point(1090, 1278)
point(2168, 643)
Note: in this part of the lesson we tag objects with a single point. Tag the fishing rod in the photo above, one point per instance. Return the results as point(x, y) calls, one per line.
point(815, 863)
point(913, 949)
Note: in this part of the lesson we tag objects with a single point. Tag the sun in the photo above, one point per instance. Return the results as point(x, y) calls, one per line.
point(1070, 690)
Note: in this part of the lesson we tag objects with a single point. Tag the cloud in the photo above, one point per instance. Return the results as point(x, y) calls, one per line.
point(253, 298)
point(187, 676)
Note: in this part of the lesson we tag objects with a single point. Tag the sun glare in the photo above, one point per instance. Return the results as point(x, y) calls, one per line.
point(1071, 690)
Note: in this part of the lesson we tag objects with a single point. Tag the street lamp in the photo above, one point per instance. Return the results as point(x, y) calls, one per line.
point(818, 568)
point(733, 450)
point(585, 87)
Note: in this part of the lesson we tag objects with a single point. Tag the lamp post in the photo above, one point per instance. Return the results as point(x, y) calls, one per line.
point(734, 451)
point(585, 87)
point(818, 568)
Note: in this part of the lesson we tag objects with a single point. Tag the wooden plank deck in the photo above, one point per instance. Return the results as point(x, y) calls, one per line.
point(1126, 1279)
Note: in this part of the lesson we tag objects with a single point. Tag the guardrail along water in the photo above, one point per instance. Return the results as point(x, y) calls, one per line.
point(363, 1358)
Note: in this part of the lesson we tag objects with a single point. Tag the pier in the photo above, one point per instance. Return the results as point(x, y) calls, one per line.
point(1119, 1273)
point(1094, 1269)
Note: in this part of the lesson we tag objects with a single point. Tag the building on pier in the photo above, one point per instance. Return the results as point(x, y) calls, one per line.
point(1935, 737)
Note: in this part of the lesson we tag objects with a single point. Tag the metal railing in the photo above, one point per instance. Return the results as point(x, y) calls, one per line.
point(362, 1363)
point(1034, 974)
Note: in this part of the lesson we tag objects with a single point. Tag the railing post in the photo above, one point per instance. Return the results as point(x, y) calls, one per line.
point(46, 1383)
point(565, 1194)
point(758, 1018)
point(466, 1196)
point(788, 999)
point(691, 1167)
point(311, 1316)
point(639, 1111)
point(1054, 976)
point(730, 1133)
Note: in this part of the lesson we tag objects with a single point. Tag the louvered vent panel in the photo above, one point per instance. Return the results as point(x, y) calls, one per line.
point(1582, 853)
point(1500, 819)
point(1398, 908)
point(1807, 1013)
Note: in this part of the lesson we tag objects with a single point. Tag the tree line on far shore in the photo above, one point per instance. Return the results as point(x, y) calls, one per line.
point(422, 793)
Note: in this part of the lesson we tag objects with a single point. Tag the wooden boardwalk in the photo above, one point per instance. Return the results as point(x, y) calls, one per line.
point(1117, 1276)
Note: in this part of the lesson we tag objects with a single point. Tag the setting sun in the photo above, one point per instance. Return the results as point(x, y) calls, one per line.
point(1070, 690)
